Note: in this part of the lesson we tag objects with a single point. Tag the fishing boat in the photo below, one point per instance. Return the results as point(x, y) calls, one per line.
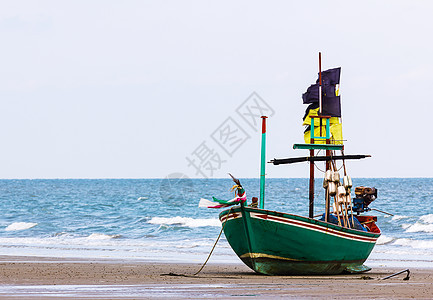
point(280, 243)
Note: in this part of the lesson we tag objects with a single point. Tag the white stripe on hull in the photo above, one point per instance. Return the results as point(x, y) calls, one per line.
point(231, 216)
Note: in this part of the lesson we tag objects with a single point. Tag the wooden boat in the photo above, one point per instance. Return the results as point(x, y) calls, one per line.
point(277, 243)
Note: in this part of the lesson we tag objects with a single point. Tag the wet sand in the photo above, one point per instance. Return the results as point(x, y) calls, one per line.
point(39, 278)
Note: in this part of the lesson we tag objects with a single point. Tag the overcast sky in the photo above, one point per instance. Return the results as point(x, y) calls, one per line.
point(144, 89)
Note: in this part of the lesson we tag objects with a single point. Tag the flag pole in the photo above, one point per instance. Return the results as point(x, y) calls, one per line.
point(263, 164)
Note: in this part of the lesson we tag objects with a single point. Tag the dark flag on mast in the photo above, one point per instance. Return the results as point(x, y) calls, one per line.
point(331, 76)
point(331, 105)
point(311, 95)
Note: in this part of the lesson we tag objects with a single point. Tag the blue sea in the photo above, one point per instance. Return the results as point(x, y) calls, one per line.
point(159, 219)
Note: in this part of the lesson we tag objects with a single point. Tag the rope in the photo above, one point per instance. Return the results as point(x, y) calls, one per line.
point(318, 152)
point(319, 168)
point(186, 275)
point(218, 238)
point(335, 165)
point(338, 170)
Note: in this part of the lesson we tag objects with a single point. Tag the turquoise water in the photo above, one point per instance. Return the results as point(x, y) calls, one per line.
point(159, 220)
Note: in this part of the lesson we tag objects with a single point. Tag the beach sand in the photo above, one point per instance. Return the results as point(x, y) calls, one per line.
point(40, 278)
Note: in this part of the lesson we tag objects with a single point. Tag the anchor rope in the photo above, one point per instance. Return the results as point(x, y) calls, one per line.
point(186, 275)
point(218, 238)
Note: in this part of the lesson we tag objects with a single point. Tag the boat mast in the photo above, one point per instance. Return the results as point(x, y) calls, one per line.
point(311, 188)
point(328, 152)
point(263, 164)
point(320, 84)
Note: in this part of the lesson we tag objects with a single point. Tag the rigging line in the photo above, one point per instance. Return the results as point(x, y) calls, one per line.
point(334, 163)
point(317, 154)
point(319, 168)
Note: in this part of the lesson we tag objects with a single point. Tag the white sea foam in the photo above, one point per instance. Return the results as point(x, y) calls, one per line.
point(61, 234)
point(382, 240)
point(417, 244)
point(402, 242)
point(406, 225)
point(101, 236)
point(186, 222)
point(418, 227)
point(398, 217)
point(425, 224)
point(427, 218)
point(194, 244)
point(20, 226)
point(190, 249)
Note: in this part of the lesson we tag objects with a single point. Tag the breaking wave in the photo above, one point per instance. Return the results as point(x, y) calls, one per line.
point(101, 236)
point(20, 226)
point(398, 217)
point(427, 218)
point(417, 244)
point(186, 222)
point(382, 240)
point(418, 227)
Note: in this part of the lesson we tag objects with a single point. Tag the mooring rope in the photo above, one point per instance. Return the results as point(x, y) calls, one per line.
point(204, 264)
point(218, 238)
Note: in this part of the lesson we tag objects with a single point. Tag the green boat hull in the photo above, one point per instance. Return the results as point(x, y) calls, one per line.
point(275, 243)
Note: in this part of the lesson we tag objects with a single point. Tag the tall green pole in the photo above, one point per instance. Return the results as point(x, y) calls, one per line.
point(263, 164)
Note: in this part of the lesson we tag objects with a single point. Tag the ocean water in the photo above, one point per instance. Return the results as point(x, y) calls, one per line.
point(159, 219)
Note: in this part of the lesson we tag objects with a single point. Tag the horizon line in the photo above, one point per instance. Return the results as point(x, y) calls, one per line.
point(194, 178)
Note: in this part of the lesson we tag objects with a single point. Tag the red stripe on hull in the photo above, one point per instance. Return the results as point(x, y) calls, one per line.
point(312, 226)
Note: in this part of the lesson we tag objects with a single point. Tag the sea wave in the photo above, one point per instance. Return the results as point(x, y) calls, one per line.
point(419, 227)
point(101, 236)
point(383, 239)
point(398, 217)
point(427, 218)
point(406, 225)
point(184, 221)
point(194, 244)
point(417, 244)
point(20, 226)
point(108, 242)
